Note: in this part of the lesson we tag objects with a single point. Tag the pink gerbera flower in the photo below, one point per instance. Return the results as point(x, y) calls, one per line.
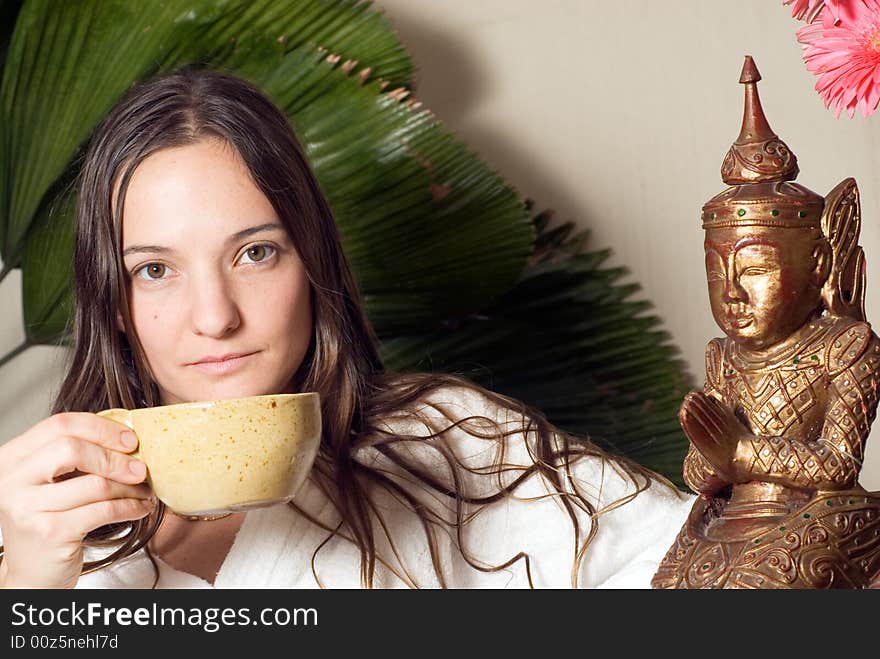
point(808, 10)
point(845, 54)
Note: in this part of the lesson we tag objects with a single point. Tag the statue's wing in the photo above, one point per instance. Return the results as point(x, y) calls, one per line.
point(844, 292)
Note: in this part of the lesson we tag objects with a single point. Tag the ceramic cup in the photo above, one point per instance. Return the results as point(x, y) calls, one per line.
point(230, 455)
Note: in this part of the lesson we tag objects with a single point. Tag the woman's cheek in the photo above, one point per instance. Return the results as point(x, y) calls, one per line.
point(288, 289)
point(152, 325)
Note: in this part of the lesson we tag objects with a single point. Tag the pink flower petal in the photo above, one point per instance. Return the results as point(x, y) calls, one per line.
point(808, 10)
point(843, 51)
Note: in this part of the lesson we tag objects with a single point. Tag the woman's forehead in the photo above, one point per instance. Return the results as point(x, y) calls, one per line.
point(203, 189)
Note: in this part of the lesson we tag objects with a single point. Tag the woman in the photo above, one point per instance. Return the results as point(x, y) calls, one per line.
point(202, 235)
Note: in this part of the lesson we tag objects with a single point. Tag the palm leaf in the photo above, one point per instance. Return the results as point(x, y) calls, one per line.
point(8, 13)
point(429, 230)
point(569, 339)
point(90, 51)
point(47, 272)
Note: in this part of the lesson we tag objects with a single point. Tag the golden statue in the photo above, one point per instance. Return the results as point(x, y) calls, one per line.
point(778, 433)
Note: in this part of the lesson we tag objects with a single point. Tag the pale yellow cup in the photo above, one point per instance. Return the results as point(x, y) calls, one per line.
point(228, 455)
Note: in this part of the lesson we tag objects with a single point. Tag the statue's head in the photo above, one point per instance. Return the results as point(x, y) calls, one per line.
point(767, 258)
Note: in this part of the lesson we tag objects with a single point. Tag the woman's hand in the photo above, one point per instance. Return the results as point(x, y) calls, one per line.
point(66, 476)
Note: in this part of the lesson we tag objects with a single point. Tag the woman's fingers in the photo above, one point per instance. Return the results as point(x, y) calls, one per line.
point(69, 454)
point(91, 516)
point(86, 489)
point(80, 425)
point(64, 477)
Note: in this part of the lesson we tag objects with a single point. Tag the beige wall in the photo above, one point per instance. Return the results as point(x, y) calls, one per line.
point(616, 114)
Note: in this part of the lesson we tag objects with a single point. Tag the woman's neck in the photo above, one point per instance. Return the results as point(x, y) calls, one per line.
point(196, 547)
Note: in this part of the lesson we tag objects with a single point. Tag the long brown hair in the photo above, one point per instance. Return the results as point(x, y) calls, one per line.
point(108, 368)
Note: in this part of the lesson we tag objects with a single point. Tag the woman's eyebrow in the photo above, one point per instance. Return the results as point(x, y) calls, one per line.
point(244, 233)
point(151, 249)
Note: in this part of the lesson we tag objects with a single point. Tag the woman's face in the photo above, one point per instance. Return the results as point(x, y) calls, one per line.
point(219, 297)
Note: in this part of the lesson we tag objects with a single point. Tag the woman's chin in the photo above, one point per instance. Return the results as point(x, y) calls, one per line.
point(215, 393)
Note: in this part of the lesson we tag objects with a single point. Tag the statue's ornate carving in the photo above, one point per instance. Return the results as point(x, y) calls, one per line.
point(778, 433)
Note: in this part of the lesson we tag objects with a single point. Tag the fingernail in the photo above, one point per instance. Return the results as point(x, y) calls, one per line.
point(138, 468)
point(129, 440)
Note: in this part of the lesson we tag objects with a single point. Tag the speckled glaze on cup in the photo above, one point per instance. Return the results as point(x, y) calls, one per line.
point(229, 455)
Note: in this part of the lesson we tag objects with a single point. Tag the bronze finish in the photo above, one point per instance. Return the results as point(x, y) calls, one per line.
point(778, 433)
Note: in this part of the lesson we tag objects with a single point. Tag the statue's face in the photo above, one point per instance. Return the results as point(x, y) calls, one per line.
point(764, 283)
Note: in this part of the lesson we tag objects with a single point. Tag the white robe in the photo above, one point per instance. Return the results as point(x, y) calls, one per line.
point(274, 546)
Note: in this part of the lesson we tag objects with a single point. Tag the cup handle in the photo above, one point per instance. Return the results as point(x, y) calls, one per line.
point(123, 416)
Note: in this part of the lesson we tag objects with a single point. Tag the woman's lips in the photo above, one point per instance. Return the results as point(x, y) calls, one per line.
point(223, 367)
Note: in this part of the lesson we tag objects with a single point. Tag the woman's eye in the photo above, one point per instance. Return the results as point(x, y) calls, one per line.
point(752, 272)
point(258, 253)
point(151, 271)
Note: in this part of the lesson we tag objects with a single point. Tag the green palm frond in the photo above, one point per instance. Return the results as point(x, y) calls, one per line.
point(569, 339)
point(456, 273)
point(416, 209)
point(69, 62)
point(8, 13)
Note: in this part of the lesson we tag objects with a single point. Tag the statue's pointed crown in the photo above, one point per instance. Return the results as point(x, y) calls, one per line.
point(760, 167)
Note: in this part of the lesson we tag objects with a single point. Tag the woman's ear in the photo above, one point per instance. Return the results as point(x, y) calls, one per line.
point(119, 322)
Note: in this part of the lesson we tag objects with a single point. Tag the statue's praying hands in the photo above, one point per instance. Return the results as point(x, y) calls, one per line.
point(714, 433)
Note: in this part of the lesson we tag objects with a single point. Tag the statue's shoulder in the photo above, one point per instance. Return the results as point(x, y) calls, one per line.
point(845, 342)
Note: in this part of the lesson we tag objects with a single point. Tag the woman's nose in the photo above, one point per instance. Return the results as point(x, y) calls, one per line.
point(213, 308)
